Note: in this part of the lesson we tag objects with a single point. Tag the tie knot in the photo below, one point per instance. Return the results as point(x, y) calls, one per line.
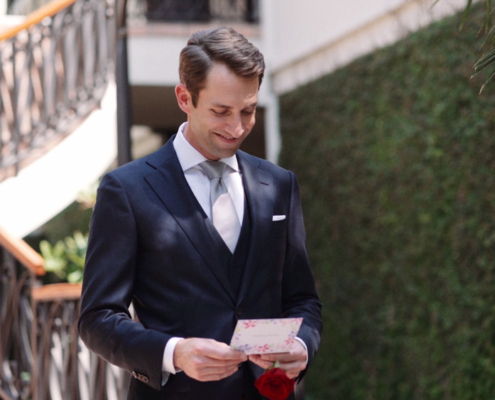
point(214, 169)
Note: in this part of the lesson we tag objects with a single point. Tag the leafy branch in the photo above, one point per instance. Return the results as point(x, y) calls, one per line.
point(488, 58)
point(66, 257)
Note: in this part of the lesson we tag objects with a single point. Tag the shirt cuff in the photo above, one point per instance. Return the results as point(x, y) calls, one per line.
point(305, 347)
point(168, 356)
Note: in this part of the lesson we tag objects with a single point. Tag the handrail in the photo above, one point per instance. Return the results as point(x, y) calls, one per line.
point(57, 292)
point(22, 252)
point(53, 75)
point(36, 17)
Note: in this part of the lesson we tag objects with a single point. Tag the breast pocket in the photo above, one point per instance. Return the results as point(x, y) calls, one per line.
point(278, 234)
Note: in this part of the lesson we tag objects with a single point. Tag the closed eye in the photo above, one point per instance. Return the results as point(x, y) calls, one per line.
point(224, 112)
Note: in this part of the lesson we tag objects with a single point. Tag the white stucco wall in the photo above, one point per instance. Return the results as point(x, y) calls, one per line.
point(154, 54)
point(302, 27)
point(154, 59)
point(305, 40)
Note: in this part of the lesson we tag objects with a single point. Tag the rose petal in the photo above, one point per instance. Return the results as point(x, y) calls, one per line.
point(275, 384)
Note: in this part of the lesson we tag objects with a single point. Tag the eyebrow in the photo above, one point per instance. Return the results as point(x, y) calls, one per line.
point(229, 107)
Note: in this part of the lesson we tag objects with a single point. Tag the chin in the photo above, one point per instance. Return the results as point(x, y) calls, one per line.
point(227, 154)
point(224, 152)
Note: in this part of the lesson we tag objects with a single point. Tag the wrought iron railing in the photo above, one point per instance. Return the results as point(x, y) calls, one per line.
point(41, 355)
point(53, 72)
point(201, 10)
point(19, 268)
point(25, 7)
point(63, 366)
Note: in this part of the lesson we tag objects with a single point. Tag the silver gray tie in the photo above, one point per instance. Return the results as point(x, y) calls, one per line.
point(223, 211)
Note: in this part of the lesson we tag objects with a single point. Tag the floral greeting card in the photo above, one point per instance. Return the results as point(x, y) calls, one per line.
point(257, 336)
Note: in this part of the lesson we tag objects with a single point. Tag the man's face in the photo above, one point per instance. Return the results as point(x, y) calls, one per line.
point(224, 114)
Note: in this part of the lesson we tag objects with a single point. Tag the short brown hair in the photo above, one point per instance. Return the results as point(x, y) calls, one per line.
point(218, 45)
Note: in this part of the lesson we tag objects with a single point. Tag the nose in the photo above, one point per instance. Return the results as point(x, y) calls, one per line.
point(234, 126)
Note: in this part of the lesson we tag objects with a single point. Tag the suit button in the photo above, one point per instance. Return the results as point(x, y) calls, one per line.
point(141, 377)
point(239, 311)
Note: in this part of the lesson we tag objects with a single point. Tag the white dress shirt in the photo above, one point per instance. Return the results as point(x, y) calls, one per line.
point(190, 158)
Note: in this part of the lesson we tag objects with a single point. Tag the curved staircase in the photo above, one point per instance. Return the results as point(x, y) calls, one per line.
point(58, 133)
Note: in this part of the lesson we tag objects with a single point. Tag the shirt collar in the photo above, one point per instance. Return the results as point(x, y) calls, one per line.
point(189, 157)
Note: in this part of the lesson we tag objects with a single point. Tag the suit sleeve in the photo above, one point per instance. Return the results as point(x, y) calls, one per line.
point(299, 297)
point(105, 324)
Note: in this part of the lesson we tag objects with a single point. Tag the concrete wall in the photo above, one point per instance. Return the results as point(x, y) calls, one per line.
point(302, 27)
point(305, 40)
point(154, 50)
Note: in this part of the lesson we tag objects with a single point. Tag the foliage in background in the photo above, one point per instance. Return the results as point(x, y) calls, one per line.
point(66, 257)
point(486, 28)
point(395, 156)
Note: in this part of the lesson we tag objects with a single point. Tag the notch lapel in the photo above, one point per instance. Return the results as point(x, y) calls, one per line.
point(170, 185)
point(258, 186)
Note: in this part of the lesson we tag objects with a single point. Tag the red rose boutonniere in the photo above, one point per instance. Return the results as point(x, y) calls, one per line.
point(275, 384)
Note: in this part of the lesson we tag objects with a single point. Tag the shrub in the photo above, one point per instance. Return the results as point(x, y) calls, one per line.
point(395, 156)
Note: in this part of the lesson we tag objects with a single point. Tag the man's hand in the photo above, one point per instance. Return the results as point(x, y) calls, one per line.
point(292, 362)
point(206, 359)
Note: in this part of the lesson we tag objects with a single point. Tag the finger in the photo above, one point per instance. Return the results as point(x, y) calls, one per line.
point(284, 357)
point(293, 374)
point(200, 362)
point(221, 351)
point(212, 349)
point(281, 357)
point(255, 358)
point(214, 373)
point(293, 369)
point(193, 356)
point(293, 366)
point(292, 362)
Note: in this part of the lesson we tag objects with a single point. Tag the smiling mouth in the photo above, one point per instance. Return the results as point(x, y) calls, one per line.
point(229, 138)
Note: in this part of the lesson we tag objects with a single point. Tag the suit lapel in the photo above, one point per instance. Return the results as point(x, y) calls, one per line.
point(170, 185)
point(258, 187)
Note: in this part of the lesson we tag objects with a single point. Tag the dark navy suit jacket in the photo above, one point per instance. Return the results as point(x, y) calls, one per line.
point(150, 245)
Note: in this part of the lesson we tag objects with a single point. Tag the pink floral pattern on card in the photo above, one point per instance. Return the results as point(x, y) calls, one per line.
point(258, 336)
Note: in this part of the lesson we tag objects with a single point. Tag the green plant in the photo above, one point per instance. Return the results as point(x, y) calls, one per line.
point(486, 26)
point(395, 157)
point(66, 258)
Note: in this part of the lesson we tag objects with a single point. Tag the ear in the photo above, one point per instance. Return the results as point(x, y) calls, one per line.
point(184, 98)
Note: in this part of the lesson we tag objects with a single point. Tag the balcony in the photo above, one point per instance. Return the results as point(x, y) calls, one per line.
point(204, 11)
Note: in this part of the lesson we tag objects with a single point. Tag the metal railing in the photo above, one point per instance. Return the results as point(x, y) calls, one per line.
point(200, 10)
point(41, 355)
point(63, 366)
point(53, 72)
point(19, 268)
point(54, 69)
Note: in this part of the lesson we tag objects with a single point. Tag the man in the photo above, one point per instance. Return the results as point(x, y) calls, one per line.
point(190, 267)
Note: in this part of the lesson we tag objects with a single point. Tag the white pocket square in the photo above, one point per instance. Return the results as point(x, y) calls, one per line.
point(278, 218)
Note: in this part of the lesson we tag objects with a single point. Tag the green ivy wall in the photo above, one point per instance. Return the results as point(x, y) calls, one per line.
point(395, 155)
